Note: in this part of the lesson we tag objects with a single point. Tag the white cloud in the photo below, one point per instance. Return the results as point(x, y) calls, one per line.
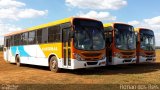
point(11, 10)
point(7, 28)
point(16, 13)
point(10, 4)
point(134, 22)
point(97, 4)
point(98, 15)
point(152, 23)
point(147, 23)
point(15, 10)
point(154, 20)
point(8, 14)
point(31, 13)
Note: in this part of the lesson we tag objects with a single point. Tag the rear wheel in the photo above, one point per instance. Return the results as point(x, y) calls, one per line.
point(18, 61)
point(53, 64)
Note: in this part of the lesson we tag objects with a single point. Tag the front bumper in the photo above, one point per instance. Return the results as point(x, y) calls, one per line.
point(145, 59)
point(118, 61)
point(76, 64)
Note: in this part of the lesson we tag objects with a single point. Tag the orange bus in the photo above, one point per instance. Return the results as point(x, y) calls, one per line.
point(145, 45)
point(70, 43)
point(120, 43)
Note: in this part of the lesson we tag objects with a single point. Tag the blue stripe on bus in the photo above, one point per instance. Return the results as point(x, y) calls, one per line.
point(19, 50)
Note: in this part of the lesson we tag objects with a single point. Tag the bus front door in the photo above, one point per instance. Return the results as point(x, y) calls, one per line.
point(66, 47)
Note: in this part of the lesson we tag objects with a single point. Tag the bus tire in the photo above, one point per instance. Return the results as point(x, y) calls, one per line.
point(18, 61)
point(53, 64)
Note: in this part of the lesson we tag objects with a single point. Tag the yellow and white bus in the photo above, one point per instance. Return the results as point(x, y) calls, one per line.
point(145, 45)
point(70, 43)
point(120, 43)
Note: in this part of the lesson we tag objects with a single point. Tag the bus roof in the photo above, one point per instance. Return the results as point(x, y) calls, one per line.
point(47, 25)
point(139, 28)
point(42, 26)
point(112, 23)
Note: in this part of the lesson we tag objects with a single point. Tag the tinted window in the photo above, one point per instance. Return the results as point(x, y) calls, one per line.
point(54, 34)
point(88, 34)
point(147, 32)
point(7, 42)
point(4, 41)
point(39, 36)
point(32, 39)
point(89, 23)
point(12, 41)
point(16, 39)
point(25, 38)
point(45, 35)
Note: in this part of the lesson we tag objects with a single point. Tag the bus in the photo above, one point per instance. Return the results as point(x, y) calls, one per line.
point(70, 43)
point(145, 45)
point(120, 43)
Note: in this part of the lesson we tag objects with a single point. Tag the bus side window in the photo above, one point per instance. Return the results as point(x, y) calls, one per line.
point(136, 35)
point(7, 43)
point(22, 39)
point(54, 34)
point(4, 41)
point(39, 36)
point(15, 39)
point(110, 36)
point(45, 35)
point(11, 40)
point(32, 37)
point(141, 37)
point(25, 38)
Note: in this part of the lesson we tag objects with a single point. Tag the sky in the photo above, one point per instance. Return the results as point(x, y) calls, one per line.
point(20, 14)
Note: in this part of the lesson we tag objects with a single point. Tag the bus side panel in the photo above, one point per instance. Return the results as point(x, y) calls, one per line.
point(21, 52)
point(35, 56)
point(10, 58)
point(28, 55)
point(52, 49)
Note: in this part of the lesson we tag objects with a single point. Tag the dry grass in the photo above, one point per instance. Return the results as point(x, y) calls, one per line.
point(124, 74)
point(158, 55)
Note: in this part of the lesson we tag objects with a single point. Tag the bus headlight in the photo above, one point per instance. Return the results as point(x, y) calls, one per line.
point(142, 54)
point(118, 55)
point(103, 56)
point(78, 57)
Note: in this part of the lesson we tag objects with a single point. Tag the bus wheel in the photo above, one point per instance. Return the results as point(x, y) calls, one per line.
point(53, 64)
point(18, 61)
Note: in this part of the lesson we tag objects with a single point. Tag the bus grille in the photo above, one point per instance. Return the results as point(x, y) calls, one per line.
point(91, 54)
point(91, 59)
point(149, 56)
point(127, 60)
point(127, 53)
point(128, 56)
point(149, 53)
point(92, 63)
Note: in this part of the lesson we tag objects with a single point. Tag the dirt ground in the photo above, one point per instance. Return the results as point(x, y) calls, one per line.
point(122, 74)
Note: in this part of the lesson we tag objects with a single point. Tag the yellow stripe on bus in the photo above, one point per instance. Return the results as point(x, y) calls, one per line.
point(53, 48)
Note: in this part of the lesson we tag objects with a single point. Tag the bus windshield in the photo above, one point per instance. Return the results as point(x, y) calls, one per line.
point(147, 40)
point(88, 35)
point(125, 37)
